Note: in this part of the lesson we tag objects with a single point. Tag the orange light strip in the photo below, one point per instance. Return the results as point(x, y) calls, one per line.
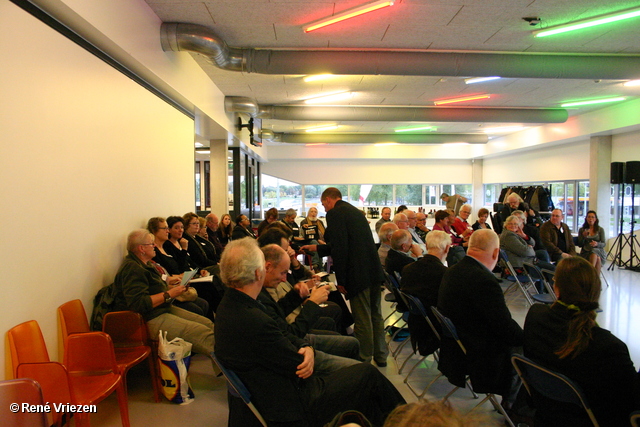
point(351, 13)
point(467, 98)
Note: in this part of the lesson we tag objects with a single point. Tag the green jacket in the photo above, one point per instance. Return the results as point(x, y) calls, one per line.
point(134, 284)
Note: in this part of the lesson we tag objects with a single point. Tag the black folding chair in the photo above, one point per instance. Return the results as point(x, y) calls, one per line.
point(236, 388)
point(417, 308)
point(449, 331)
point(534, 273)
point(523, 282)
point(550, 384)
point(393, 285)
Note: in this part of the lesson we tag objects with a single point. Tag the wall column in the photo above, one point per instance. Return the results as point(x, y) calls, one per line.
point(219, 178)
point(599, 179)
point(477, 186)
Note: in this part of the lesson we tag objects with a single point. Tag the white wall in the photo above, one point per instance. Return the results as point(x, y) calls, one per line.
point(556, 163)
point(87, 156)
point(626, 147)
point(353, 171)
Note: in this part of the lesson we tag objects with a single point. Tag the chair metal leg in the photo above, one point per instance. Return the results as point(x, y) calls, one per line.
point(413, 368)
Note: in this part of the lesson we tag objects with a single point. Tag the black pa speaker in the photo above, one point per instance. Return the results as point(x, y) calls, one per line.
point(632, 173)
point(617, 172)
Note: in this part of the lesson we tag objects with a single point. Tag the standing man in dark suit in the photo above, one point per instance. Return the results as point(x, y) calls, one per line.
point(470, 295)
point(358, 271)
point(278, 370)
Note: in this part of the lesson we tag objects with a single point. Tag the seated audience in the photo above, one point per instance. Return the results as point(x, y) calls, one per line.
point(170, 271)
point(212, 233)
point(454, 202)
point(290, 221)
point(332, 351)
point(401, 220)
point(269, 217)
point(413, 221)
point(457, 252)
point(481, 222)
point(557, 238)
point(435, 414)
point(176, 245)
point(384, 235)
point(225, 230)
point(312, 231)
point(385, 217)
point(512, 202)
point(334, 310)
point(565, 338)
point(460, 224)
point(203, 238)
point(242, 228)
point(397, 257)
point(421, 226)
point(519, 247)
point(591, 240)
point(139, 287)
point(422, 280)
point(533, 231)
point(194, 247)
point(471, 296)
point(278, 372)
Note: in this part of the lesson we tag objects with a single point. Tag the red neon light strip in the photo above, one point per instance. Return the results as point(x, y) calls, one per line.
point(468, 98)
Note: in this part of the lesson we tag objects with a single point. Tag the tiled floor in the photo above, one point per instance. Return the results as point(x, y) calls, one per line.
point(621, 314)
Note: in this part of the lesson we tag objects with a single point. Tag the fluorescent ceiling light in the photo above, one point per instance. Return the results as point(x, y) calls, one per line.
point(503, 129)
point(632, 83)
point(466, 98)
point(199, 144)
point(431, 128)
point(586, 23)
point(315, 143)
point(329, 97)
point(351, 13)
point(321, 128)
point(593, 101)
point(480, 79)
point(316, 77)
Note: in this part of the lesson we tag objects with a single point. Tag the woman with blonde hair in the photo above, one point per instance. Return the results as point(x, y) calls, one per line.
point(566, 338)
point(225, 229)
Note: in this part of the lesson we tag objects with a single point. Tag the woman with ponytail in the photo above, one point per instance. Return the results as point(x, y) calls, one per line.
point(566, 338)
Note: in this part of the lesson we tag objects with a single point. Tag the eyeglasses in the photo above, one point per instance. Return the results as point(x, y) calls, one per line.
point(194, 223)
point(147, 244)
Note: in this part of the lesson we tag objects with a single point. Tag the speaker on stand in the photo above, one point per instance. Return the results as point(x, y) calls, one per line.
point(628, 173)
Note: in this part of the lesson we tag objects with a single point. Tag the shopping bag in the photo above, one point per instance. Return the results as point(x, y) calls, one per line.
point(174, 358)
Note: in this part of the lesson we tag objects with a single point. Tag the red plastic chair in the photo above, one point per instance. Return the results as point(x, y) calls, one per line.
point(130, 336)
point(23, 390)
point(128, 333)
point(92, 373)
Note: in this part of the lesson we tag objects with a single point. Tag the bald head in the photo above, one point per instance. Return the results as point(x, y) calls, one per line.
point(401, 240)
point(484, 246)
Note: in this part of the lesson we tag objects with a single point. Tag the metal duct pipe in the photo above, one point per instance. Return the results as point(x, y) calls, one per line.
point(197, 38)
point(429, 138)
point(240, 104)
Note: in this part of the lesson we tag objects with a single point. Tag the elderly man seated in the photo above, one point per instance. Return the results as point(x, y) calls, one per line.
point(422, 280)
point(385, 217)
point(140, 287)
point(557, 237)
point(421, 226)
point(397, 257)
point(385, 240)
point(279, 373)
point(412, 217)
point(402, 221)
point(460, 224)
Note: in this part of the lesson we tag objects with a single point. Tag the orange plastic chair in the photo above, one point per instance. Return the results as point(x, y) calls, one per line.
point(20, 391)
point(93, 372)
point(91, 375)
point(130, 336)
point(54, 381)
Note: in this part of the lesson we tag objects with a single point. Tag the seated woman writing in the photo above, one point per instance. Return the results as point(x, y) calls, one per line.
point(565, 338)
point(139, 287)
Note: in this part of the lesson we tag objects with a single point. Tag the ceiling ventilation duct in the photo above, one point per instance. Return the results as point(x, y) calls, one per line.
point(360, 138)
point(197, 38)
point(241, 104)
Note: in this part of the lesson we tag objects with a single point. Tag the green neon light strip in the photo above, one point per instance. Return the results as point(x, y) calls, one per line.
point(410, 129)
point(594, 101)
point(588, 23)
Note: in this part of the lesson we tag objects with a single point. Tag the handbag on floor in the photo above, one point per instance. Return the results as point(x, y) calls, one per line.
point(174, 358)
